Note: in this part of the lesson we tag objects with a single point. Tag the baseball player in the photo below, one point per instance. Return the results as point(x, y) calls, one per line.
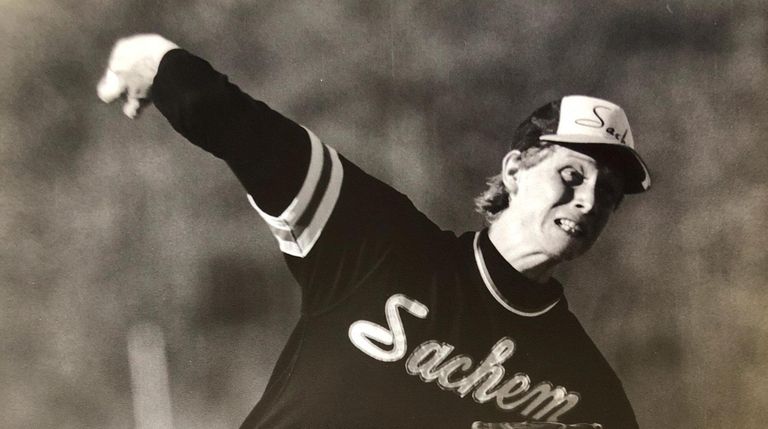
point(402, 324)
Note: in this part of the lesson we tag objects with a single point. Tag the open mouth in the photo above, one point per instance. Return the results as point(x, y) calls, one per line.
point(570, 227)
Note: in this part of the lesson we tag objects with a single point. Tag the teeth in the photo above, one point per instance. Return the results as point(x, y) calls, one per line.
point(569, 226)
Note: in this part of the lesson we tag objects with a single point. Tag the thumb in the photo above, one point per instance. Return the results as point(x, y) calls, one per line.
point(132, 107)
point(136, 100)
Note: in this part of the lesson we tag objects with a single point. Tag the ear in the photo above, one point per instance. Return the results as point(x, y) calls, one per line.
point(509, 168)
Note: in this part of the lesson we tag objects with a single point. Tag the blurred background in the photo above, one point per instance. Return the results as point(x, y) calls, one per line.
point(109, 224)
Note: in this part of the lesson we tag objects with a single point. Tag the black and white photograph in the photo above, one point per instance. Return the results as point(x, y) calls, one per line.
point(383, 214)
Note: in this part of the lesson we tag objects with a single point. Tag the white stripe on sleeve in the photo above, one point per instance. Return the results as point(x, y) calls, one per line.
point(299, 226)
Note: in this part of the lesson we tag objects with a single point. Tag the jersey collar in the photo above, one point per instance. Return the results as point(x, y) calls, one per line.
point(510, 288)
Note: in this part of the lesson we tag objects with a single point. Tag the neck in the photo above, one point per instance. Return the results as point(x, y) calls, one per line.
point(510, 240)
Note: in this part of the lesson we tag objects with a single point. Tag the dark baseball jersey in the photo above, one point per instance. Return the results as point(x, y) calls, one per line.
point(402, 324)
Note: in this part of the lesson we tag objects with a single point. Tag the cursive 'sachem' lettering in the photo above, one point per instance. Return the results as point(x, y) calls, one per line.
point(362, 332)
point(593, 123)
point(431, 361)
point(542, 402)
point(599, 122)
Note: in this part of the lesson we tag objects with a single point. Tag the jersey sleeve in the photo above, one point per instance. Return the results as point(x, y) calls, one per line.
point(299, 226)
point(268, 152)
point(334, 222)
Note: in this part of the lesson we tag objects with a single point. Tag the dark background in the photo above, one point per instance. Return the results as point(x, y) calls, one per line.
point(107, 222)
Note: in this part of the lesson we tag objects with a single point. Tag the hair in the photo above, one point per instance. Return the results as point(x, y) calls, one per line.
point(543, 120)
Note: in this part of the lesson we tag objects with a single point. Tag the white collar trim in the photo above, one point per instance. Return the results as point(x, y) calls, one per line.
point(495, 290)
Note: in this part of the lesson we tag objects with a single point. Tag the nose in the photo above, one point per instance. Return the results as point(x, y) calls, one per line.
point(584, 197)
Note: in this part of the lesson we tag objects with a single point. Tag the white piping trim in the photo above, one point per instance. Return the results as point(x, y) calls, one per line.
point(296, 208)
point(486, 276)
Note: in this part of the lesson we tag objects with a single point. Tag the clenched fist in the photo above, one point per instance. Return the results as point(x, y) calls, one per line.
point(131, 70)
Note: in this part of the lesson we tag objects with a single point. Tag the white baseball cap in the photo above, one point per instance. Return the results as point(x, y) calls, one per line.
point(587, 124)
point(593, 121)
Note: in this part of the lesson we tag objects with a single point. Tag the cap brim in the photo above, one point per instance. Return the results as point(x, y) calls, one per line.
point(578, 138)
point(638, 178)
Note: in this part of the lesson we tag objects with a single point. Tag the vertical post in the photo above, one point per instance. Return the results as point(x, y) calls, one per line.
point(149, 377)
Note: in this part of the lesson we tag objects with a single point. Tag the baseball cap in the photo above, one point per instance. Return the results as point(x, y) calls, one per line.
point(591, 124)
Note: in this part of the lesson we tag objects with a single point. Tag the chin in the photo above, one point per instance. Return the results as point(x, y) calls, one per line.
point(565, 247)
point(568, 252)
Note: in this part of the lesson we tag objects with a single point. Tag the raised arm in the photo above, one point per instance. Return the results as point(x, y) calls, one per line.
point(269, 153)
point(334, 221)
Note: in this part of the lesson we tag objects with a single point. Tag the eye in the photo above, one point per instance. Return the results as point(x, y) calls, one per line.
point(571, 176)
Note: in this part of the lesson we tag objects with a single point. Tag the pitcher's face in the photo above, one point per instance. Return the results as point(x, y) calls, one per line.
point(563, 202)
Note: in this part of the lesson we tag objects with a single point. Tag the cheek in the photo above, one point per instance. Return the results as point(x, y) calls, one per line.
point(537, 194)
point(544, 187)
point(552, 193)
